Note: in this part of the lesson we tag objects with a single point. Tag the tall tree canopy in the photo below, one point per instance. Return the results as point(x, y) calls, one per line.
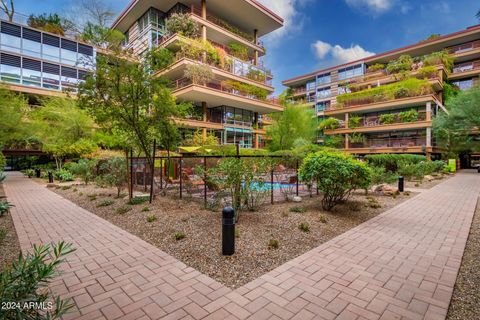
point(295, 123)
point(13, 110)
point(454, 130)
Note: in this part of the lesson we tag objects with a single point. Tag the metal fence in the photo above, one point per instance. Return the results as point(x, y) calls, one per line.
point(199, 178)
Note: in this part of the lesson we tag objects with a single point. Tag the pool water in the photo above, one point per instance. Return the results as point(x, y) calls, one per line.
point(266, 186)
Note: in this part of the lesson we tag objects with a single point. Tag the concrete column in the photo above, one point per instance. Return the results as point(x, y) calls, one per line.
point(346, 120)
point(255, 53)
point(204, 16)
point(205, 119)
point(429, 111)
point(257, 140)
point(347, 142)
point(429, 138)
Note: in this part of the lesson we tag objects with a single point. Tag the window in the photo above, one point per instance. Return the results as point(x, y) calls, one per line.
point(350, 72)
point(86, 57)
point(69, 78)
point(323, 78)
point(10, 37)
point(32, 43)
point(243, 137)
point(464, 84)
point(51, 47)
point(343, 89)
point(324, 93)
point(151, 18)
point(32, 72)
point(10, 68)
point(322, 106)
point(51, 76)
point(311, 85)
point(69, 52)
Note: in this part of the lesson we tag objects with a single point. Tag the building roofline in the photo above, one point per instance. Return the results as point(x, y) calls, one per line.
point(386, 53)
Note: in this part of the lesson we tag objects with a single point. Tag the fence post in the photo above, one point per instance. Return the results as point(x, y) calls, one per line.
point(296, 177)
point(205, 181)
point(161, 172)
point(131, 175)
point(271, 186)
point(152, 169)
point(181, 179)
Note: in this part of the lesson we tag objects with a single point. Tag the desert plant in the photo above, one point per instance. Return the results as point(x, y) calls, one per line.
point(182, 24)
point(273, 244)
point(85, 169)
point(151, 218)
point(387, 118)
point(402, 63)
point(145, 209)
point(322, 219)
point(115, 173)
point(25, 282)
point(105, 203)
point(138, 200)
point(298, 209)
point(5, 207)
point(199, 74)
point(123, 209)
point(336, 174)
point(329, 124)
point(305, 227)
point(179, 235)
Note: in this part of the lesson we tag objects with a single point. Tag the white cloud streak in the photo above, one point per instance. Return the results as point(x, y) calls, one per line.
point(338, 54)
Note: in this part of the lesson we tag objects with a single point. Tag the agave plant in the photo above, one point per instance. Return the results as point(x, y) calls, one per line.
point(5, 207)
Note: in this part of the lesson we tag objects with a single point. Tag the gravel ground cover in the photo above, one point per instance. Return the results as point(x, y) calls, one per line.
point(465, 302)
point(264, 239)
point(9, 244)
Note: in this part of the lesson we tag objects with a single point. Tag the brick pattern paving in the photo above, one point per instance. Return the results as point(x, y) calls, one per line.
point(401, 264)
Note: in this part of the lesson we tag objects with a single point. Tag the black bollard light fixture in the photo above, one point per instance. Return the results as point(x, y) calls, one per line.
point(401, 183)
point(37, 173)
point(228, 231)
point(50, 177)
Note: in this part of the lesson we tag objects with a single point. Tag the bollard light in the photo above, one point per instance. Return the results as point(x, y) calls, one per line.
point(50, 177)
point(228, 231)
point(401, 184)
point(37, 173)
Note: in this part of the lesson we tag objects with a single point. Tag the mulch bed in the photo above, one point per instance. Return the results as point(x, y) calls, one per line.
point(9, 244)
point(201, 246)
point(465, 302)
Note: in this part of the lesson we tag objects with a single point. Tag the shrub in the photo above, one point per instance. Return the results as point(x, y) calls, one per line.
point(402, 63)
point(336, 174)
point(123, 209)
point(334, 141)
point(115, 173)
point(63, 175)
point(199, 74)
point(391, 161)
point(160, 58)
point(322, 219)
point(408, 116)
point(238, 50)
point(387, 118)
point(246, 89)
point(105, 203)
point(137, 200)
point(354, 121)
point(298, 209)
point(2, 177)
point(381, 175)
point(3, 234)
point(329, 124)
point(273, 244)
point(357, 137)
point(5, 207)
point(29, 173)
point(85, 169)
point(182, 24)
point(439, 57)
point(179, 235)
point(376, 67)
point(427, 72)
point(145, 209)
point(26, 281)
point(3, 161)
point(151, 218)
point(305, 227)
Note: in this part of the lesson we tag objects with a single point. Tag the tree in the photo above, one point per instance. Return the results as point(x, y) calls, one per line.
point(51, 23)
point(85, 169)
point(115, 173)
point(102, 37)
point(197, 139)
point(8, 8)
point(64, 129)
point(454, 129)
point(293, 123)
point(126, 96)
point(95, 12)
point(13, 109)
point(336, 174)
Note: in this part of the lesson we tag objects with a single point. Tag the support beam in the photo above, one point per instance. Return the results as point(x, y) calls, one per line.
point(257, 140)
point(255, 53)
point(205, 119)
point(346, 120)
point(429, 111)
point(347, 142)
point(429, 137)
point(204, 16)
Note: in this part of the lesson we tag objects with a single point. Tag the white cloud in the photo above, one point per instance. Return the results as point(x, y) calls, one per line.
point(321, 49)
point(292, 17)
point(336, 54)
point(377, 6)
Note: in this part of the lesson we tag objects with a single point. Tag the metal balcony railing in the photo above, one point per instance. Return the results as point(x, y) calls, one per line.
point(465, 47)
point(391, 143)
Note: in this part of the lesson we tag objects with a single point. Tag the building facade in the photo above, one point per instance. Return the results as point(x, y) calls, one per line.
point(385, 103)
point(232, 103)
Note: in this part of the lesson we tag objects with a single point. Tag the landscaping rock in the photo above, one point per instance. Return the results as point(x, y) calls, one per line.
point(297, 199)
point(428, 178)
point(385, 189)
point(51, 185)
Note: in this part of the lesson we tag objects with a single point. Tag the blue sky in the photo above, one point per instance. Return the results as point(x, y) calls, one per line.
point(320, 33)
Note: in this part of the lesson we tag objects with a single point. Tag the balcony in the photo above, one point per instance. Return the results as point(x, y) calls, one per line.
point(378, 124)
point(391, 145)
point(216, 93)
point(466, 69)
point(465, 50)
point(299, 91)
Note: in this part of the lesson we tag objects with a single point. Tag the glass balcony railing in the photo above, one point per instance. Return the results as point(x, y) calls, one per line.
point(465, 47)
point(391, 143)
point(467, 66)
point(374, 121)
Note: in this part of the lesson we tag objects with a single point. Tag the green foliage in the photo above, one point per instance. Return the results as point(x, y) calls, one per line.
point(427, 72)
point(182, 24)
point(123, 209)
point(85, 169)
point(408, 116)
point(402, 63)
point(322, 219)
point(5, 207)
point(13, 108)
point(439, 57)
point(63, 175)
point(410, 87)
point(246, 89)
point(2, 177)
point(27, 279)
point(151, 218)
point(114, 173)
point(298, 209)
point(102, 37)
point(179, 235)
point(336, 174)
point(292, 123)
point(198, 73)
point(29, 173)
point(196, 139)
point(3, 161)
point(421, 169)
point(256, 75)
point(329, 124)
point(273, 244)
point(3, 234)
point(391, 162)
point(160, 58)
point(356, 137)
point(387, 118)
point(145, 209)
point(381, 175)
point(376, 67)
point(449, 91)
point(137, 200)
point(238, 50)
point(354, 121)
point(304, 226)
point(52, 23)
point(105, 203)
point(334, 141)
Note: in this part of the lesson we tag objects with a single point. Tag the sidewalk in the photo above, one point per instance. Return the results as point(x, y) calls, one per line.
point(401, 264)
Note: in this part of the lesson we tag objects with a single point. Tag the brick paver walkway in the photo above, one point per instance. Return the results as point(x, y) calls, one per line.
point(401, 264)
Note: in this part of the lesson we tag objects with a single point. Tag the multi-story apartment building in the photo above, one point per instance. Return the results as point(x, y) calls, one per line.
point(385, 103)
point(233, 102)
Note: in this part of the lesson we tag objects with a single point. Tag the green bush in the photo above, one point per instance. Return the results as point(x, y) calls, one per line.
point(420, 169)
point(329, 124)
point(387, 118)
point(246, 89)
point(298, 209)
point(381, 175)
point(391, 161)
point(179, 235)
point(123, 209)
point(5, 207)
point(402, 63)
point(114, 173)
point(354, 121)
point(151, 218)
point(85, 169)
point(3, 161)
point(305, 227)
point(334, 141)
point(26, 281)
point(336, 174)
point(105, 203)
point(238, 50)
point(182, 24)
point(63, 175)
point(29, 173)
point(408, 116)
point(273, 244)
point(376, 67)
point(138, 200)
point(439, 57)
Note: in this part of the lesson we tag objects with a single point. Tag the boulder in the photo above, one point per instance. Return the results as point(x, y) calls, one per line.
point(386, 189)
point(297, 199)
point(428, 178)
